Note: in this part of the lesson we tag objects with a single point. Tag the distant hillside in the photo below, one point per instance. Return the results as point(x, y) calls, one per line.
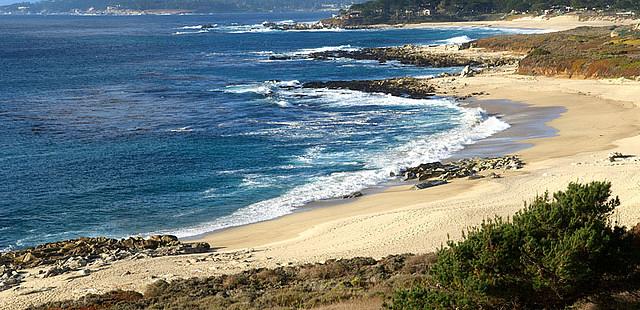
point(407, 11)
point(197, 6)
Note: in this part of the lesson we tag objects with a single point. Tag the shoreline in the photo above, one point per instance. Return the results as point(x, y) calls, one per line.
point(548, 24)
point(526, 122)
point(542, 150)
point(599, 117)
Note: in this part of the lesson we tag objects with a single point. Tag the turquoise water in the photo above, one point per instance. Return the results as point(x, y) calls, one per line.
point(133, 125)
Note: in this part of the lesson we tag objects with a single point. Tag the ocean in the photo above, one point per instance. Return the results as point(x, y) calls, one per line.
point(134, 125)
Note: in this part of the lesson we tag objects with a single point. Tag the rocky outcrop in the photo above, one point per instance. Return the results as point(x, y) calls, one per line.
point(296, 26)
point(73, 255)
point(411, 55)
point(461, 168)
point(9, 277)
point(405, 87)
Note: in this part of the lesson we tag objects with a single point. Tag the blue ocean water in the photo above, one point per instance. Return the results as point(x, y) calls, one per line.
point(133, 125)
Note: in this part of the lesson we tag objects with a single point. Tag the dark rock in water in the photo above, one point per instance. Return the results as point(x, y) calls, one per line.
point(405, 87)
point(295, 26)
point(353, 195)
point(430, 184)
point(411, 55)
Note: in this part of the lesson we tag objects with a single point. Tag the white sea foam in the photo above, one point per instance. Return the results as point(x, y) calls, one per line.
point(182, 129)
point(258, 28)
point(206, 27)
point(261, 88)
point(190, 32)
point(475, 124)
point(254, 180)
point(307, 51)
point(310, 154)
point(456, 40)
point(264, 88)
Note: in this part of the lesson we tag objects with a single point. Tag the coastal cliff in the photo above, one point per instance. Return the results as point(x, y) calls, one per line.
point(586, 52)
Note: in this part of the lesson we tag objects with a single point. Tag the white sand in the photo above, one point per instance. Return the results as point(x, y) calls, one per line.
point(557, 23)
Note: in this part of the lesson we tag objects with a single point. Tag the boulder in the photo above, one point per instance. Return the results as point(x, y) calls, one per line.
point(466, 72)
point(614, 156)
point(402, 87)
point(429, 184)
point(353, 195)
point(461, 168)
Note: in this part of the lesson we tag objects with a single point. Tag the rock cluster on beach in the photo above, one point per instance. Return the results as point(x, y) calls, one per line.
point(74, 255)
point(405, 87)
point(411, 55)
point(617, 156)
point(9, 277)
point(438, 171)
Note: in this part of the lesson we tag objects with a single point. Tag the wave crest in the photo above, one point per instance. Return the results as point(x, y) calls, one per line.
point(375, 167)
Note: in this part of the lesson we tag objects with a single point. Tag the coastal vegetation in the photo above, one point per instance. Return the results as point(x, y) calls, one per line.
point(556, 250)
point(585, 52)
point(561, 250)
point(412, 11)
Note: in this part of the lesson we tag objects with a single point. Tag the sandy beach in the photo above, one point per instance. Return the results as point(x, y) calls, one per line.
point(597, 117)
point(556, 23)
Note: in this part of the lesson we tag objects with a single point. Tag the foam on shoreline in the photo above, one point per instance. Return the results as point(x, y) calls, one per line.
point(475, 126)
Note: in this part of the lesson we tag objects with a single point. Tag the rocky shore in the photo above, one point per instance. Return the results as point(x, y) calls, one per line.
point(434, 173)
point(404, 87)
point(446, 56)
point(80, 255)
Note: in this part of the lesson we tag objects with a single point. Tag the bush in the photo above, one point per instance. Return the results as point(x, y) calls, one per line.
point(420, 297)
point(553, 252)
point(539, 52)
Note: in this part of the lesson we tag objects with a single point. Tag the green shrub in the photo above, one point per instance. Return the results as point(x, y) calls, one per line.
point(420, 297)
point(539, 52)
point(552, 252)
